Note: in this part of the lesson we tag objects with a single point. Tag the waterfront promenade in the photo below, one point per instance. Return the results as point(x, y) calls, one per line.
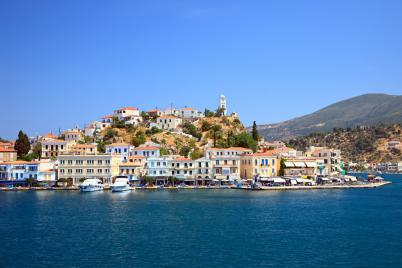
point(261, 188)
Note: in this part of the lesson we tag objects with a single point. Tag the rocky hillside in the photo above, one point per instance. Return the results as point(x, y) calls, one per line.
point(369, 144)
point(190, 140)
point(364, 110)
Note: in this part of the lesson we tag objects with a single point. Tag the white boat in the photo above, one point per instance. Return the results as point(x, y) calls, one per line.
point(91, 185)
point(121, 184)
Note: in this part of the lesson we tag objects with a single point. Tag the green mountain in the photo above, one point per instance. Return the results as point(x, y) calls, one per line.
point(364, 110)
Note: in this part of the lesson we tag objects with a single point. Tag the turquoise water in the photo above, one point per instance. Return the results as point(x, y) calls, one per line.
point(203, 228)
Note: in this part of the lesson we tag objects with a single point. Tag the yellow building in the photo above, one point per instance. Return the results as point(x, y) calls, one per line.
point(264, 165)
point(54, 147)
point(134, 167)
point(100, 166)
point(83, 149)
point(226, 162)
point(7, 154)
point(72, 135)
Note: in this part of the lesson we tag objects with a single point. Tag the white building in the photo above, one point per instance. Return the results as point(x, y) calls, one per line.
point(95, 128)
point(159, 168)
point(122, 149)
point(168, 122)
point(226, 162)
point(183, 169)
point(222, 104)
point(108, 120)
point(203, 171)
point(126, 112)
point(72, 135)
point(190, 113)
point(146, 151)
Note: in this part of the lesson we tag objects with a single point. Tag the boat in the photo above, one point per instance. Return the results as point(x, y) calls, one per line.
point(121, 184)
point(91, 185)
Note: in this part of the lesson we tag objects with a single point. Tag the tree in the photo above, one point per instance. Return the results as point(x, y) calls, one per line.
point(30, 181)
point(205, 125)
point(22, 145)
point(37, 151)
point(138, 139)
point(254, 132)
point(101, 146)
point(117, 123)
point(208, 113)
point(173, 181)
point(216, 133)
point(110, 133)
point(245, 140)
point(185, 150)
point(282, 167)
point(164, 151)
point(196, 154)
point(190, 129)
point(220, 112)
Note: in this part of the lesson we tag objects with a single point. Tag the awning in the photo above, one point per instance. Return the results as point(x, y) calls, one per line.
point(279, 180)
point(299, 164)
point(289, 164)
point(311, 164)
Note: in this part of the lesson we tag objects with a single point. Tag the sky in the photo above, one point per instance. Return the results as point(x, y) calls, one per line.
point(66, 63)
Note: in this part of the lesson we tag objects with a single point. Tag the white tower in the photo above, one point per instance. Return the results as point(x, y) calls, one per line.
point(222, 104)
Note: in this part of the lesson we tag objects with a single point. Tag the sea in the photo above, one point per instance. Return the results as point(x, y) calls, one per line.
point(203, 228)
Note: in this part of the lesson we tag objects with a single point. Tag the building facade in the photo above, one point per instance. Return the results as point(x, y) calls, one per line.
point(122, 149)
point(8, 155)
point(168, 122)
point(226, 162)
point(263, 165)
point(55, 147)
point(78, 167)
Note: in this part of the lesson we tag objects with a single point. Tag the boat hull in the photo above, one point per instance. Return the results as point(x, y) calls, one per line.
point(91, 188)
point(117, 189)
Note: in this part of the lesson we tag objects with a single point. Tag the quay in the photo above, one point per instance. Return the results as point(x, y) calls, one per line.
point(260, 188)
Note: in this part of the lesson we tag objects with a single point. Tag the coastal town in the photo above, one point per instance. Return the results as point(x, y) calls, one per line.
point(95, 157)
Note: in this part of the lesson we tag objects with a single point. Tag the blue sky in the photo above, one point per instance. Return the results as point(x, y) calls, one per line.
point(64, 63)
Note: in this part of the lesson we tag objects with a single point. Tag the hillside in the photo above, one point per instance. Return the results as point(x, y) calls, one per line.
point(224, 131)
point(364, 110)
point(368, 144)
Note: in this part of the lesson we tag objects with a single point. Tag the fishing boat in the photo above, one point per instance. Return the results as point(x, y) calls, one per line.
point(91, 185)
point(121, 184)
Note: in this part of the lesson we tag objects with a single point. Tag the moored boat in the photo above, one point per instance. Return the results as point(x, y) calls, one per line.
point(121, 184)
point(91, 185)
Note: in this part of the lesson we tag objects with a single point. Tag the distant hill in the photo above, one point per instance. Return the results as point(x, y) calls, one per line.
point(361, 144)
point(364, 110)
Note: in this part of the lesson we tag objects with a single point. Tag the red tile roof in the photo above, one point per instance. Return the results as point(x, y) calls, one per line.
point(169, 116)
point(4, 150)
point(128, 108)
point(145, 148)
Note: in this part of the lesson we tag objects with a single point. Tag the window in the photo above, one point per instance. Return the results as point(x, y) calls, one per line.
point(100, 171)
point(99, 162)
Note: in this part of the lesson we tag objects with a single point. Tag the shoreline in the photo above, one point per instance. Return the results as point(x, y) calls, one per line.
point(262, 188)
point(316, 187)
